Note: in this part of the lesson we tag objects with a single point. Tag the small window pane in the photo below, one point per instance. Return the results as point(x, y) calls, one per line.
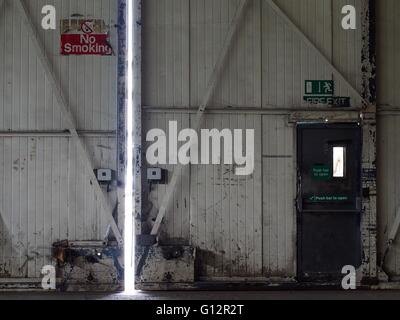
point(339, 162)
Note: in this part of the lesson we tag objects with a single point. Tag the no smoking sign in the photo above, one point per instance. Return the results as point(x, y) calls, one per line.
point(81, 36)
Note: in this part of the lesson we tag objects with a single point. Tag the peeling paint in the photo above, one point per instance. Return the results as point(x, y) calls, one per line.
point(369, 171)
point(122, 53)
point(368, 54)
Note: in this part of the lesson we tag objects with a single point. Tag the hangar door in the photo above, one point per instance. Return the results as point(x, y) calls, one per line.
point(58, 121)
point(329, 200)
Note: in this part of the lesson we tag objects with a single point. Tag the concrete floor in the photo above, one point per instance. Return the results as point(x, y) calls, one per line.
point(208, 295)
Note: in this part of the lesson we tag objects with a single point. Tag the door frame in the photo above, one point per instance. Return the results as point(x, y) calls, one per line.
point(298, 148)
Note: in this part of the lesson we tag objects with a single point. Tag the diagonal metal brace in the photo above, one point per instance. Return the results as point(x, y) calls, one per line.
point(212, 83)
point(310, 44)
point(391, 237)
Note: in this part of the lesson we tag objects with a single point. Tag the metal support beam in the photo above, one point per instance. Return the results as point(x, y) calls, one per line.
point(310, 44)
point(212, 83)
point(122, 110)
point(65, 109)
point(246, 110)
point(59, 133)
point(137, 115)
point(369, 229)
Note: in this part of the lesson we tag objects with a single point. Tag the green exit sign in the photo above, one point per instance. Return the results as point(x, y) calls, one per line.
point(319, 87)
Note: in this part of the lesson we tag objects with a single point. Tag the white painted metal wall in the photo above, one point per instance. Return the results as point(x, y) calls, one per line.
point(279, 193)
point(226, 210)
point(388, 128)
point(45, 191)
point(268, 64)
point(243, 226)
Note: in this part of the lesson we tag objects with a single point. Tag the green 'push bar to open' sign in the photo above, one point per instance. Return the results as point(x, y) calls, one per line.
point(321, 173)
point(328, 198)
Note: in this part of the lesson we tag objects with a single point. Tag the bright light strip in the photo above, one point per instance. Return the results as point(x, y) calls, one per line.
point(129, 234)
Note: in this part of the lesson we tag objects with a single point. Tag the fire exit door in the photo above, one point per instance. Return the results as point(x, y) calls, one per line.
point(328, 200)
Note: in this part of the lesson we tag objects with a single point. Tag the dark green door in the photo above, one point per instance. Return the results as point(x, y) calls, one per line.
point(328, 200)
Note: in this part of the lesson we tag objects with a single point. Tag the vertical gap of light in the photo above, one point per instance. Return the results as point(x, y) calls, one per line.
point(129, 233)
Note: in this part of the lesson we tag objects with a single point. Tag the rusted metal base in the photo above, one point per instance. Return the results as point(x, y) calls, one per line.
point(93, 266)
point(164, 265)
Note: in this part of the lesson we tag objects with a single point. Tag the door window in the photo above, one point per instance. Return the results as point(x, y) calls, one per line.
point(339, 162)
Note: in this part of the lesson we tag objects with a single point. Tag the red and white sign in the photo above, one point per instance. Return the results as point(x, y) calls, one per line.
point(81, 36)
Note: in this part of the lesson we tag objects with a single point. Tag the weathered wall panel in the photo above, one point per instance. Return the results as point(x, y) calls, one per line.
point(226, 213)
point(287, 60)
point(166, 53)
point(388, 199)
point(47, 197)
point(243, 227)
point(240, 84)
point(268, 63)
point(279, 193)
point(213, 209)
point(88, 81)
point(347, 46)
point(388, 68)
point(177, 218)
point(45, 193)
